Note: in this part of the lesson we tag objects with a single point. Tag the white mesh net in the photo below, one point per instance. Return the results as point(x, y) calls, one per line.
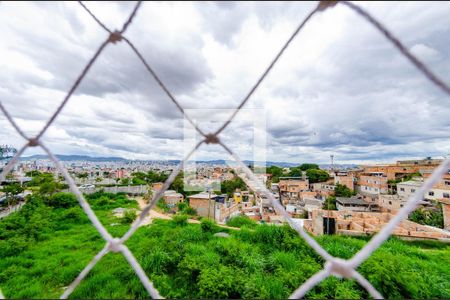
point(333, 266)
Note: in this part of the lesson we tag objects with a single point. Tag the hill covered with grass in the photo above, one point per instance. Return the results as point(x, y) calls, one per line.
point(45, 246)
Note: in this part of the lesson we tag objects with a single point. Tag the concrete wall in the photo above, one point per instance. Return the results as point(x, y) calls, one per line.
point(202, 206)
point(131, 189)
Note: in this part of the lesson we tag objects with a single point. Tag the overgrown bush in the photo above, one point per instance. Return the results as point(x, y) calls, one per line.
point(208, 225)
point(180, 220)
point(61, 200)
point(129, 216)
point(162, 205)
point(240, 221)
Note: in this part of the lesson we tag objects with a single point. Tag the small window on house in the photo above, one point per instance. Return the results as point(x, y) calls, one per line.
point(447, 182)
point(446, 195)
point(430, 193)
point(401, 205)
point(402, 189)
point(413, 190)
point(390, 202)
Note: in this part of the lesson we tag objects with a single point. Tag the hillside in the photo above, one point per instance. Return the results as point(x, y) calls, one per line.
point(45, 246)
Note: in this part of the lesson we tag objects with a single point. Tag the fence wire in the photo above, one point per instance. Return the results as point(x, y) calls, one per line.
point(333, 267)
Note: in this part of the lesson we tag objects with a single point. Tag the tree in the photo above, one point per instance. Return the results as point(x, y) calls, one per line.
point(125, 181)
point(308, 166)
point(137, 181)
point(32, 173)
point(83, 176)
point(343, 191)
point(428, 217)
point(62, 200)
point(230, 186)
point(315, 175)
point(149, 195)
point(48, 188)
point(178, 183)
point(330, 203)
point(11, 191)
point(39, 178)
point(276, 173)
point(295, 172)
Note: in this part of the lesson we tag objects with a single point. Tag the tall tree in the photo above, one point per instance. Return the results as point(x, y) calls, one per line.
point(315, 175)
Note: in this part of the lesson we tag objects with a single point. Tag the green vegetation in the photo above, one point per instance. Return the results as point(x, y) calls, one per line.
point(317, 175)
point(162, 205)
point(433, 217)
point(11, 191)
point(241, 221)
point(297, 171)
point(139, 178)
point(276, 173)
point(46, 182)
point(129, 216)
point(343, 191)
point(229, 186)
point(407, 177)
point(45, 245)
point(330, 203)
point(339, 191)
point(184, 208)
point(308, 166)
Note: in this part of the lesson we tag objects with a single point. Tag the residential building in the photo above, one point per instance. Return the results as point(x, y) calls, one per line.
point(172, 198)
point(391, 203)
point(355, 203)
point(292, 186)
point(373, 183)
point(367, 224)
point(204, 204)
point(345, 178)
point(406, 189)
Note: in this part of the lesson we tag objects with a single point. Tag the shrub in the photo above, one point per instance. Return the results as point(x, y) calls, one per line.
point(180, 220)
point(240, 221)
point(182, 206)
point(208, 225)
point(129, 216)
point(61, 200)
point(161, 204)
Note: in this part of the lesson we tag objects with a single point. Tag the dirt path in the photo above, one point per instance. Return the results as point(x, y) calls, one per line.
point(157, 215)
point(153, 214)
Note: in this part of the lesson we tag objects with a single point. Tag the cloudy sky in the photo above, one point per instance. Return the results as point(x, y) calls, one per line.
point(341, 88)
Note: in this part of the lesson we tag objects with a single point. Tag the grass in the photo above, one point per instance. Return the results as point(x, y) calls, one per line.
point(188, 261)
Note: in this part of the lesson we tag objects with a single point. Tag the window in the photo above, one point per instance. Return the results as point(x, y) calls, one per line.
point(402, 189)
point(446, 195)
point(431, 193)
point(413, 190)
point(447, 182)
point(401, 205)
point(390, 202)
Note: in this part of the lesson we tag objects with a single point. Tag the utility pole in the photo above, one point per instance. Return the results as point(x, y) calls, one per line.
point(208, 189)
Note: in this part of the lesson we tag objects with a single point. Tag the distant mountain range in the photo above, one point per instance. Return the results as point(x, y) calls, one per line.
point(211, 162)
point(76, 158)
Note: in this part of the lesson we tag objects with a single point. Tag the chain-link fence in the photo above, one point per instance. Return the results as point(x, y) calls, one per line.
point(333, 266)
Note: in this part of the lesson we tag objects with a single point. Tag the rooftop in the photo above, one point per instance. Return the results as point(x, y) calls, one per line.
point(351, 201)
point(203, 195)
point(416, 183)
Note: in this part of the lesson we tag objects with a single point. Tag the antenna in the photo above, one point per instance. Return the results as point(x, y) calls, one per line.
point(332, 162)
